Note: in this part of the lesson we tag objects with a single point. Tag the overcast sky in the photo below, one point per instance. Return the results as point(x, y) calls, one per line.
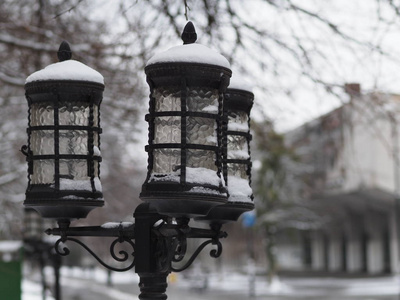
point(345, 63)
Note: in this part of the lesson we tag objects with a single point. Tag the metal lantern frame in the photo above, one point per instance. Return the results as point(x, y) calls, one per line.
point(190, 84)
point(236, 101)
point(159, 235)
point(58, 98)
point(175, 198)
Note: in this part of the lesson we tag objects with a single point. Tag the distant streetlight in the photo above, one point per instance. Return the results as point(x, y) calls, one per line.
point(189, 162)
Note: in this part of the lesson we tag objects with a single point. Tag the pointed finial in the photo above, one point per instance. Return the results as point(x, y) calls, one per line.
point(64, 52)
point(189, 35)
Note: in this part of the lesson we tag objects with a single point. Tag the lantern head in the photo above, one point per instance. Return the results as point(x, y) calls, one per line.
point(236, 154)
point(187, 85)
point(63, 150)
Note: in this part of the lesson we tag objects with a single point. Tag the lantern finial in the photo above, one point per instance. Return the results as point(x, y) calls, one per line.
point(189, 35)
point(64, 52)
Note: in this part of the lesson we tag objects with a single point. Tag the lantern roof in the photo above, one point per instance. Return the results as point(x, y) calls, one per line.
point(190, 52)
point(66, 69)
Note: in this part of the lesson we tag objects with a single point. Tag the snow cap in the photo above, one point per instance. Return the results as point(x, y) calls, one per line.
point(238, 83)
point(190, 52)
point(66, 69)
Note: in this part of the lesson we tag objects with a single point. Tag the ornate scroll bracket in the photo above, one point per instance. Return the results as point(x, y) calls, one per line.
point(64, 251)
point(170, 242)
point(177, 250)
point(123, 234)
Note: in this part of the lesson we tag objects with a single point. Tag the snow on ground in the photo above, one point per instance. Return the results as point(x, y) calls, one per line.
point(32, 291)
point(294, 286)
point(229, 282)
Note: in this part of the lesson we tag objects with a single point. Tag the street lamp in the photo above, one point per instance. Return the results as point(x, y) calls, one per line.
point(63, 151)
point(39, 250)
point(188, 163)
point(238, 101)
point(187, 85)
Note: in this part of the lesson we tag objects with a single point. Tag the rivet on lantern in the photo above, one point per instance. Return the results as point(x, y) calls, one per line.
point(187, 85)
point(63, 150)
point(236, 152)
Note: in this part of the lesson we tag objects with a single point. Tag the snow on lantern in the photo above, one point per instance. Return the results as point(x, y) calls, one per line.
point(63, 150)
point(187, 85)
point(236, 152)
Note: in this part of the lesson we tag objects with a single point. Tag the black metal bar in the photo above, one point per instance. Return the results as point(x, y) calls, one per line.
point(118, 231)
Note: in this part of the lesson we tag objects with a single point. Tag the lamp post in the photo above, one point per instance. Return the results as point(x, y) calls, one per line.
point(39, 250)
point(187, 158)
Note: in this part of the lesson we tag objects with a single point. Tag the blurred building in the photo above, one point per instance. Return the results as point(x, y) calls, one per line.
point(352, 183)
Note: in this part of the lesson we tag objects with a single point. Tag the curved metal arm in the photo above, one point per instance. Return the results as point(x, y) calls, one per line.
point(214, 253)
point(64, 251)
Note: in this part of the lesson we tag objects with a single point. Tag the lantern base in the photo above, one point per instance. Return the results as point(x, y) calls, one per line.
point(62, 204)
point(229, 212)
point(183, 205)
point(70, 210)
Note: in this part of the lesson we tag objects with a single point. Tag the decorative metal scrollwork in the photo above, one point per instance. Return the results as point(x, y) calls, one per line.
point(124, 256)
point(215, 253)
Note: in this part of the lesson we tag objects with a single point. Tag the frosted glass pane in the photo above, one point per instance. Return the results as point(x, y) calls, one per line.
point(166, 160)
point(236, 142)
point(73, 142)
point(202, 100)
point(76, 169)
point(42, 114)
point(42, 142)
point(238, 121)
point(237, 170)
point(43, 172)
point(201, 131)
point(167, 130)
point(201, 159)
point(167, 99)
point(74, 113)
point(95, 116)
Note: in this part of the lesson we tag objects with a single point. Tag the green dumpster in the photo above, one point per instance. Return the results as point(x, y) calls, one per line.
point(10, 270)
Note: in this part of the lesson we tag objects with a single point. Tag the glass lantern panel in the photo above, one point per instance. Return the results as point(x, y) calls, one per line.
point(201, 131)
point(238, 121)
point(43, 171)
point(202, 99)
point(201, 159)
point(237, 147)
point(166, 161)
point(167, 130)
point(74, 169)
point(167, 99)
point(42, 114)
point(95, 139)
point(73, 142)
point(42, 142)
point(74, 113)
point(237, 170)
point(95, 116)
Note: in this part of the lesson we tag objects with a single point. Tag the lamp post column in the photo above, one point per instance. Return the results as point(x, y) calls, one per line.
point(149, 264)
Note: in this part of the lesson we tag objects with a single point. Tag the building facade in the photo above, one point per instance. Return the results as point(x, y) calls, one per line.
point(352, 184)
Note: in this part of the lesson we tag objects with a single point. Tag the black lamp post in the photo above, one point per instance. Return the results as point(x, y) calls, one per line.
point(40, 251)
point(186, 157)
